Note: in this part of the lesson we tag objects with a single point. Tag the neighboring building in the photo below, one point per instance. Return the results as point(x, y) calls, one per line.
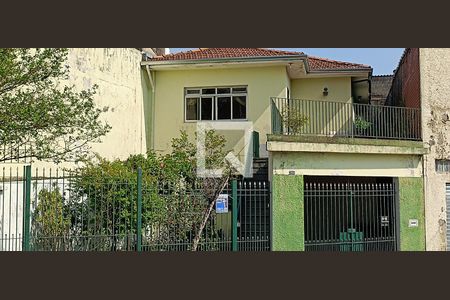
point(345, 175)
point(422, 80)
point(381, 85)
point(123, 90)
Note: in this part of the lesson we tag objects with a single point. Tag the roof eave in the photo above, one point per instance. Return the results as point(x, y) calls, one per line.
point(258, 59)
point(341, 70)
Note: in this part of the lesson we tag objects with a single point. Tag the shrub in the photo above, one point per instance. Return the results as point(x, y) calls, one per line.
point(361, 123)
point(101, 208)
point(294, 120)
point(51, 223)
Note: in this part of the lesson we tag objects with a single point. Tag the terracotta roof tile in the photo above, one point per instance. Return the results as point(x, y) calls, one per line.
point(210, 53)
point(322, 64)
point(315, 63)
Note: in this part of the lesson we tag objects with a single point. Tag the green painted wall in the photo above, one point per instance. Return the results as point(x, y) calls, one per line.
point(288, 216)
point(412, 206)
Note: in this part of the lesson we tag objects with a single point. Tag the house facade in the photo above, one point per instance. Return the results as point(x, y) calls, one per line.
point(346, 175)
point(345, 172)
point(421, 80)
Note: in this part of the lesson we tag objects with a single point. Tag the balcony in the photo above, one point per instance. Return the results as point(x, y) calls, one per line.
point(295, 117)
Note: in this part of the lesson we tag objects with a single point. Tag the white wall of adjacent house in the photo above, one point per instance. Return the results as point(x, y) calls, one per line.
point(124, 94)
point(122, 91)
point(435, 98)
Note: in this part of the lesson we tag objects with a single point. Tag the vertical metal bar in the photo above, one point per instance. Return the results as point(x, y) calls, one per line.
point(351, 216)
point(26, 209)
point(234, 246)
point(2, 198)
point(139, 210)
point(255, 144)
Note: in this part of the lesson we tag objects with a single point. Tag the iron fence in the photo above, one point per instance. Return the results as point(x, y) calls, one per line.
point(16, 153)
point(343, 119)
point(48, 210)
point(11, 209)
point(350, 217)
point(245, 227)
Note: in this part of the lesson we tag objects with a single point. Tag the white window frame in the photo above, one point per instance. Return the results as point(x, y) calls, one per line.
point(214, 98)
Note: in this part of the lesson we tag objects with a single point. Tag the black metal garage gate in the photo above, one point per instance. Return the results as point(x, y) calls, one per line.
point(350, 216)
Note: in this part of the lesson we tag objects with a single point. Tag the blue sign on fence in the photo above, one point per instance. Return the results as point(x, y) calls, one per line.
point(222, 204)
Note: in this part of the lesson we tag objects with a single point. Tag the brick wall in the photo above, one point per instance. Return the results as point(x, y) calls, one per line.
point(406, 84)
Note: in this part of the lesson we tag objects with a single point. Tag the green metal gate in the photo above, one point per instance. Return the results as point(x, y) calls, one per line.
point(45, 210)
point(350, 217)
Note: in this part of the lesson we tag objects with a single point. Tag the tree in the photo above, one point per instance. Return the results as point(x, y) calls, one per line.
point(210, 186)
point(101, 201)
point(39, 117)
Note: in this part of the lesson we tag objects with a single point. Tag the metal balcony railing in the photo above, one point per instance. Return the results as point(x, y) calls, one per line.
point(343, 119)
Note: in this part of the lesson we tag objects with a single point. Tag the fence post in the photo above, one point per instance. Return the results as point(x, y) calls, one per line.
point(255, 144)
point(26, 208)
point(234, 246)
point(139, 210)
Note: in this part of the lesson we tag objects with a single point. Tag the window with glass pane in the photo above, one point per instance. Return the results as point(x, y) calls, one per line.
point(216, 103)
point(442, 165)
point(224, 91)
point(207, 109)
point(193, 92)
point(239, 90)
point(224, 108)
point(208, 91)
point(192, 109)
point(239, 107)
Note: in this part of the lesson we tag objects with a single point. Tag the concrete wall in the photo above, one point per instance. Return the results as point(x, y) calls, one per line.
point(352, 164)
point(435, 95)
point(339, 89)
point(325, 118)
point(411, 207)
point(262, 82)
point(287, 213)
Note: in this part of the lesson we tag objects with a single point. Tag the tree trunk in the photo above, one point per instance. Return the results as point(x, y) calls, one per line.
point(207, 215)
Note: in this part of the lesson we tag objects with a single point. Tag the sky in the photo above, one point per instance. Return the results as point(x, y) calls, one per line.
point(383, 60)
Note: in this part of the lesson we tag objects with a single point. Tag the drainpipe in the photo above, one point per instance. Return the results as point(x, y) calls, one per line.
point(425, 193)
point(152, 83)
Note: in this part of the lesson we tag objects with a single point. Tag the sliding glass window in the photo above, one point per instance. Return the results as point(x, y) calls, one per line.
point(215, 103)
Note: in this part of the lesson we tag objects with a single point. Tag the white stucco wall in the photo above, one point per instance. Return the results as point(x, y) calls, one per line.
point(435, 97)
point(123, 91)
point(122, 88)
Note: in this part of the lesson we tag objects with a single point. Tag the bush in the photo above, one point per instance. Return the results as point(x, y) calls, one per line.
point(101, 208)
point(51, 223)
point(294, 120)
point(362, 124)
